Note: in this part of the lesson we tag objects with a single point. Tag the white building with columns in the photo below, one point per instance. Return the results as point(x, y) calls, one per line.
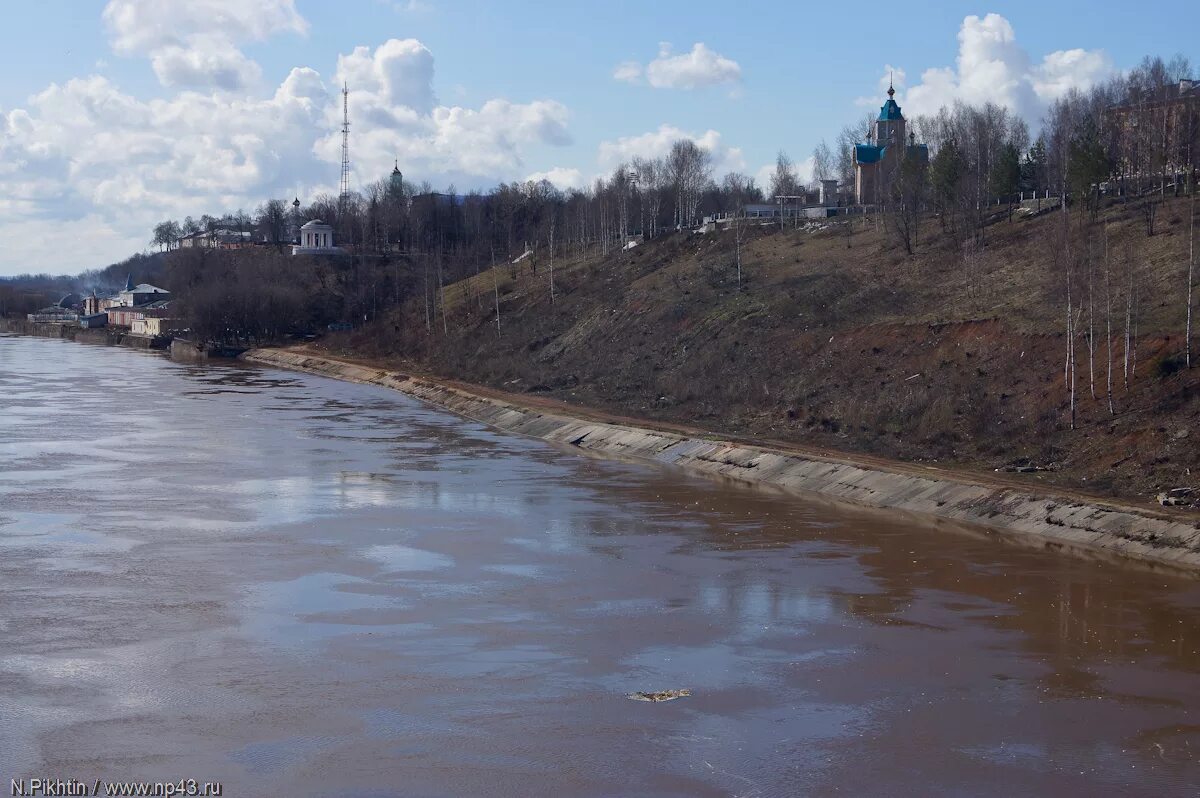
point(316, 238)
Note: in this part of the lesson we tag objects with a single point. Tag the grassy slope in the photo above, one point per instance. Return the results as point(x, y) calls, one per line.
point(938, 356)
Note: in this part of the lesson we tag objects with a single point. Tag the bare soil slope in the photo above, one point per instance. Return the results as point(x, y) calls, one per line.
point(953, 355)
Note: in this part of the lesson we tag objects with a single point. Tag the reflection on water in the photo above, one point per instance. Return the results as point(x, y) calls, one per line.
point(395, 557)
point(307, 587)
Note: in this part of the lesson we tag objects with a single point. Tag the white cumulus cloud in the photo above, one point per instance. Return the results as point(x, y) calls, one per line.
point(698, 68)
point(657, 143)
point(1064, 70)
point(561, 177)
point(395, 115)
point(628, 71)
point(804, 171)
point(195, 43)
point(87, 157)
point(993, 66)
point(398, 74)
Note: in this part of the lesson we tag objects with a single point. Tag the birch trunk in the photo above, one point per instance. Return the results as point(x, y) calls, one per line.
point(1069, 363)
point(1091, 330)
point(1108, 325)
point(496, 290)
point(1128, 317)
point(1133, 355)
point(738, 237)
point(442, 295)
point(1187, 335)
point(425, 297)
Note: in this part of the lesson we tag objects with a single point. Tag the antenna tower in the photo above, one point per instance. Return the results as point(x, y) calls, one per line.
point(344, 188)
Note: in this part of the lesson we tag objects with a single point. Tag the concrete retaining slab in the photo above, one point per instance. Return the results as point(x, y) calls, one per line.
point(1054, 522)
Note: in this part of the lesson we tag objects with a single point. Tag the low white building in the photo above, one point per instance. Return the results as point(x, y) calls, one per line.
point(316, 238)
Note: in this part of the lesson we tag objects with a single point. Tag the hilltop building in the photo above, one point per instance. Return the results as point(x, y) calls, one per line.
point(316, 238)
point(876, 162)
point(1173, 111)
point(396, 181)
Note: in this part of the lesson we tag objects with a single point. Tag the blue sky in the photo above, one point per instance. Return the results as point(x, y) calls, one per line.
point(114, 115)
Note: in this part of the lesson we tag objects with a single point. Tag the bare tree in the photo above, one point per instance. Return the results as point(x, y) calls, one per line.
point(784, 182)
point(651, 182)
point(1108, 325)
point(496, 289)
point(442, 293)
point(425, 294)
point(553, 221)
point(690, 167)
point(823, 161)
point(906, 201)
point(273, 222)
point(166, 234)
point(737, 234)
point(1187, 336)
point(1069, 360)
point(844, 159)
point(1091, 336)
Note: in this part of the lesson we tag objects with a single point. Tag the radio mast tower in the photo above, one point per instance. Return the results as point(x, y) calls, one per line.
point(344, 188)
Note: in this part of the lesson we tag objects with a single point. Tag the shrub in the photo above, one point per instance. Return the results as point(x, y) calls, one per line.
point(1169, 365)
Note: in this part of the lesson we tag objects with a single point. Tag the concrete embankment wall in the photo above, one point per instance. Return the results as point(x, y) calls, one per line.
point(1054, 522)
point(41, 329)
point(113, 336)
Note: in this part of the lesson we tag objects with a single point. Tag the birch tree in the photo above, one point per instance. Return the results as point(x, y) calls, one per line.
point(553, 221)
point(784, 182)
point(823, 162)
point(1187, 336)
point(496, 288)
point(1108, 326)
point(690, 167)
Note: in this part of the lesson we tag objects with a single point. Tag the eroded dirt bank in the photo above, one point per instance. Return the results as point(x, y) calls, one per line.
point(1055, 519)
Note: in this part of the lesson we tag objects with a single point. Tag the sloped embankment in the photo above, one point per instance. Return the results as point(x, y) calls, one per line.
point(1053, 521)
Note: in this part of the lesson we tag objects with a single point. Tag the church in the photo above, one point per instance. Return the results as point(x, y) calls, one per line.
point(876, 162)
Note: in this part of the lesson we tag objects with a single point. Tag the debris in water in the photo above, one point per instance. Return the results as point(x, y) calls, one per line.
point(662, 695)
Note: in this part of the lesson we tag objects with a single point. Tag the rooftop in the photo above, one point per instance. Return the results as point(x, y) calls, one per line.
point(146, 288)
point(868, 153)
point(890, 110)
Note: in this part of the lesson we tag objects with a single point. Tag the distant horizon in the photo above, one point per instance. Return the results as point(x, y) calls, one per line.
point(114, 119)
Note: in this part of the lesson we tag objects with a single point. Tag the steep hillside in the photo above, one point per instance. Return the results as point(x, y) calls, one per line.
point(954, 354)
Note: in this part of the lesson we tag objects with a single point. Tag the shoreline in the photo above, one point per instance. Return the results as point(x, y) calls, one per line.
point(1029, 514)
point(109, 336)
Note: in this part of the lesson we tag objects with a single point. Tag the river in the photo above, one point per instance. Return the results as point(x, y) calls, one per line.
point(298, 586)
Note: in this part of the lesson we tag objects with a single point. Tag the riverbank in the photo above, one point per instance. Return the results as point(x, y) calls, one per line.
point(1046, 517)
point(112, 336)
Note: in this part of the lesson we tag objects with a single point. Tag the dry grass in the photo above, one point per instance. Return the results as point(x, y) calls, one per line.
point(934, 356)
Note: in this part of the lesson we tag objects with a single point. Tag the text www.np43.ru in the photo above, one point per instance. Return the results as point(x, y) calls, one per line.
point(52, 788)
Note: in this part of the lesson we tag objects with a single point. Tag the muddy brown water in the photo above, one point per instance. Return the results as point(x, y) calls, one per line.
point(305, 587)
